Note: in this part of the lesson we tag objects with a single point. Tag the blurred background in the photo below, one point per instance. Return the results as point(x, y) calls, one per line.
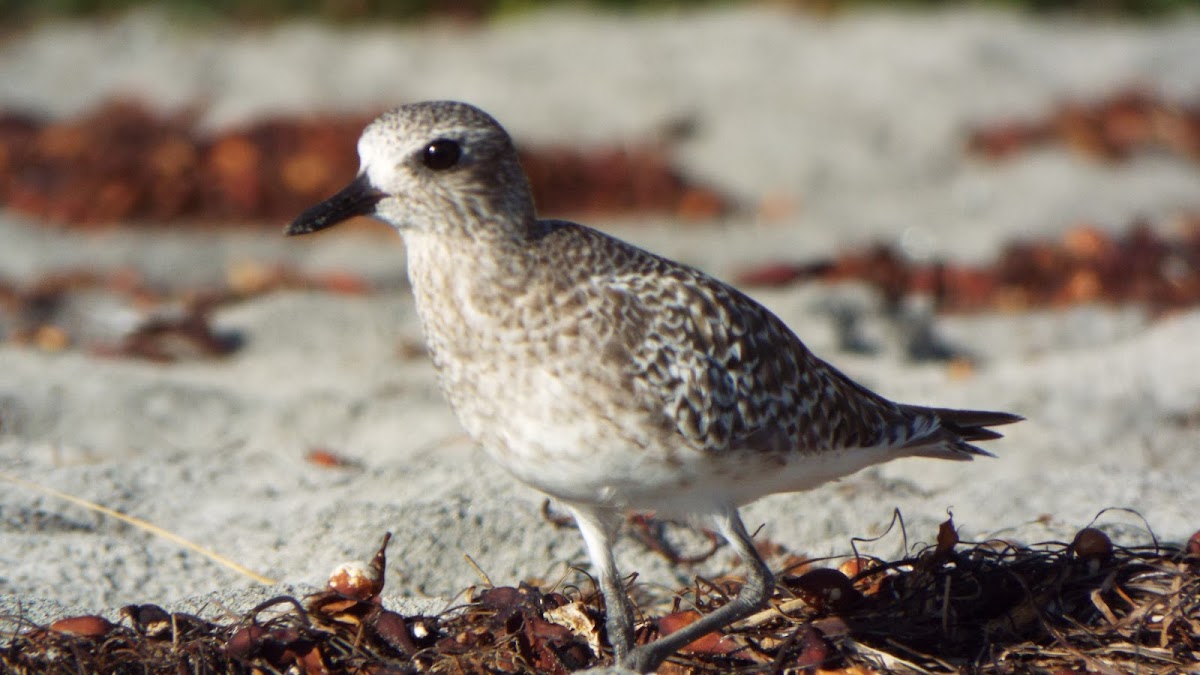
point(842, 115)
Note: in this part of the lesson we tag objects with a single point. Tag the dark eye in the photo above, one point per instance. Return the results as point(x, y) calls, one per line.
point(442, 154)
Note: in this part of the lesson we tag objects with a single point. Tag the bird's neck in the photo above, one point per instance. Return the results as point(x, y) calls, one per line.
point(471, 267)
point(468, 296)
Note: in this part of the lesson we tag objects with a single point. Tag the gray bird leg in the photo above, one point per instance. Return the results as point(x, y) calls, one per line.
point(753, 597)
point(598, 526)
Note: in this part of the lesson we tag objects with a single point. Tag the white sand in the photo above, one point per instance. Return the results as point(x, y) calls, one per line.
point(860, 121)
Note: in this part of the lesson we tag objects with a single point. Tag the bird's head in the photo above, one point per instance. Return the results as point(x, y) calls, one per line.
point(432, 166)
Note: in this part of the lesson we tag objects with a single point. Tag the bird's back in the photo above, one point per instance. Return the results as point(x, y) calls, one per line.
point(729, 373)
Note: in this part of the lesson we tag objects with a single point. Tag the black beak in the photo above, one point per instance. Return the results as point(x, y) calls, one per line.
point(356, 199)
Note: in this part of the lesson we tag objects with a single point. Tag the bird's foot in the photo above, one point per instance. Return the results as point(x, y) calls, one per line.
point(646, 658)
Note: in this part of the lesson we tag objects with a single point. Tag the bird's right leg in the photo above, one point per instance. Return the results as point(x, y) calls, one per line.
point(598, 527)
point(754, 596)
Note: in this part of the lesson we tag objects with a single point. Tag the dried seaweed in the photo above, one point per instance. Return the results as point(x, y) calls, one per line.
point(1087, 265)
point(123, 163)
point(981, 607)
point(1113, 129)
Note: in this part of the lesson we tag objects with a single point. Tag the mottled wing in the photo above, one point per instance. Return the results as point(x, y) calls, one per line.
point(730, 375)
point(721, 371)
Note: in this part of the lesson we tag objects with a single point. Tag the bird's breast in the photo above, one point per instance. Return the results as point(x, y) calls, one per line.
point(534, 376)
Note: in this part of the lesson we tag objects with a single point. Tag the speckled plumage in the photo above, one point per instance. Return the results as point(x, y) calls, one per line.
point(607, 376)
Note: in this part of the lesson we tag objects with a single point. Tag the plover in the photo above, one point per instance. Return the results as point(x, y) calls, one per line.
point(606, 376)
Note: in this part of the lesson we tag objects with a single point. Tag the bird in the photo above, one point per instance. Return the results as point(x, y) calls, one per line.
point(605, 376)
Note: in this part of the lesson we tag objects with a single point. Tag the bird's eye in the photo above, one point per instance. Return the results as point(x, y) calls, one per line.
point(442, 154)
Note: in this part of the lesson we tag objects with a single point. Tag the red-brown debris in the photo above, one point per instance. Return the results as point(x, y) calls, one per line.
point(175, 325)
point(615, 180)
point(823, 588)
point(952, 607)
point(814, 649)
point(1110, 130)
point(1087, 265)
point(330, 459)
point(165, 339)
point(1091, 543)
point(85, 626)
point(710, 643)
point(149, 620)
point(124, 164)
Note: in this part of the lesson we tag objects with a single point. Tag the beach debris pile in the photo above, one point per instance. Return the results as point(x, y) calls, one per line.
point(1115, 129)
point(123, 163)
point(1089, 605)
point(1141, 266)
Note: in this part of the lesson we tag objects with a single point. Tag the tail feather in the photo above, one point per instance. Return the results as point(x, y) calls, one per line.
point(955, 431)
point(971, 418)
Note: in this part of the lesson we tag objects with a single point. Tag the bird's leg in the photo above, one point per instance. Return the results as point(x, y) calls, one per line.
point(598, 525)
point(753, 596)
